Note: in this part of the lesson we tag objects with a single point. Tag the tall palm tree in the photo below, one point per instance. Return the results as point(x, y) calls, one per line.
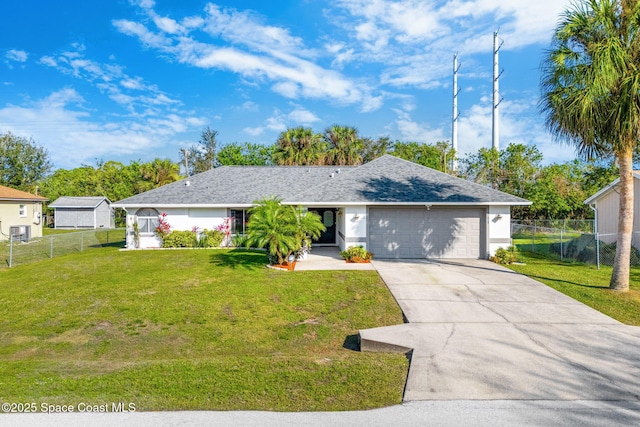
point(591, 96)
point(345, 146)
point(299, 146)
point(159, 172)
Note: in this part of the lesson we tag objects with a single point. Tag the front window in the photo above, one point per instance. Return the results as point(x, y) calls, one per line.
point(239, 219)
point(23, 211)
point(148, 220)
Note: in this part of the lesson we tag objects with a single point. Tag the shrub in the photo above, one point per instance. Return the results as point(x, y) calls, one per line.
point(505, 256)
point(356, 254)
point(281, 229)
point(180, 239)
point(211, 238)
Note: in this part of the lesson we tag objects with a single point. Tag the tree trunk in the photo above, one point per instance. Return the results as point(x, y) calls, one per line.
point(621, 265)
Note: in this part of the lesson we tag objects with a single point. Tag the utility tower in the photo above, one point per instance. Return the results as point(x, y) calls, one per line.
point(497, 44)
point(455, 115)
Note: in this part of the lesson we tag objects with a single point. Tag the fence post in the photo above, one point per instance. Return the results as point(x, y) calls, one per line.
point(81, 241)
point(533, 237)
point(597, 250)
point(51, 247)
point(10, 250)
point(561, 248)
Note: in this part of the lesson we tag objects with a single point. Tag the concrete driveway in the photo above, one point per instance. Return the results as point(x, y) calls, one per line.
point(481, 331)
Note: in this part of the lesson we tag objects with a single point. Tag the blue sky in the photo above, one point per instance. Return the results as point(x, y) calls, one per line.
point(134, 80)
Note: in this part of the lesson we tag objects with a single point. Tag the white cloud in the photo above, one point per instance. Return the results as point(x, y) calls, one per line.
point(17, 55)
point(410, 130)
point(168, 25)
point(73, 136)
point(257, 52)
point(131, 92)
point(49, 61)
point(303, 116)
point(409, 38)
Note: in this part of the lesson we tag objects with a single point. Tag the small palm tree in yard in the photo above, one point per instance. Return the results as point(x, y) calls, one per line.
point(281, 229)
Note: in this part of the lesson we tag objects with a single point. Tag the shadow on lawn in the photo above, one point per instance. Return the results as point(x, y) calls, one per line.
point(352, 342)
point(566, 282)
point(239, 258)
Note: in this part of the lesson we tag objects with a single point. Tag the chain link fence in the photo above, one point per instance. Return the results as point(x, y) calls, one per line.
point(17, 251)
point(574, 240)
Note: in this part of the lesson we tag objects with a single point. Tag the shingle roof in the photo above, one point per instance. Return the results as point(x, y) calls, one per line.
point(7, 193)
point(390, 180)
point(234, 186)
point(386, 180)
point(78, 202)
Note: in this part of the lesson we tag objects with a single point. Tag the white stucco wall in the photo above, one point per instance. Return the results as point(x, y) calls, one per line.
point(498, 228)
point(355, 227)
point(186, 219)
point(178, 219)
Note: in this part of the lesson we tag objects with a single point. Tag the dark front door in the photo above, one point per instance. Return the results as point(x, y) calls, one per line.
point(328, 217)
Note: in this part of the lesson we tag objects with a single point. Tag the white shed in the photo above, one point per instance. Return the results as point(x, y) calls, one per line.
point(83, 213)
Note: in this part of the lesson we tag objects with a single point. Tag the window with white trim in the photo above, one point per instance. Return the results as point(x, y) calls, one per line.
point(23, 211)
point(148, 220)
point(239, 220)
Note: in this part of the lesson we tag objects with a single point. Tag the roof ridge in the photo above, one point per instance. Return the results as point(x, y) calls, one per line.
point(350, 169)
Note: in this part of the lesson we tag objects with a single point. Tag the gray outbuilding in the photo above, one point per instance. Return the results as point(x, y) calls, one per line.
point(83, 213)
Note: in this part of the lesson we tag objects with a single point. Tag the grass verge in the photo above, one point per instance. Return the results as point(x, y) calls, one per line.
point(200, 329)
point(586, 284)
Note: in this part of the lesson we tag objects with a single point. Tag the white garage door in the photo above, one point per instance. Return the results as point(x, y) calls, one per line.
point(422, 233)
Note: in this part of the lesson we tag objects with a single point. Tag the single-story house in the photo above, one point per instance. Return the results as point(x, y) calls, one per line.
point(392, 207)
point(20, 214)
point(83, 212)
point(606, 204)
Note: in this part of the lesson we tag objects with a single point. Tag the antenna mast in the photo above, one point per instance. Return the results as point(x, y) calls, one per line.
point(496, 92)
point(455, 115)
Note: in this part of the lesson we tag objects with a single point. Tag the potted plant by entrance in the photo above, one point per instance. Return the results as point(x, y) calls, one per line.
point(356, 254)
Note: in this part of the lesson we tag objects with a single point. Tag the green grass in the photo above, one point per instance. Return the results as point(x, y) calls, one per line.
point(542, 241)
point(586, 284)
point(195, 329)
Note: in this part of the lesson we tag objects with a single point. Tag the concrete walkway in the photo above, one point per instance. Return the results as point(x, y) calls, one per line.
point(328, 258)
point(481, 331)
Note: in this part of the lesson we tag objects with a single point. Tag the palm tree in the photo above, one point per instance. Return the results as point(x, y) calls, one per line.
point(345, 146)
point(299, 146)
point(158, 173)
point(591, 97)
point(273, 226)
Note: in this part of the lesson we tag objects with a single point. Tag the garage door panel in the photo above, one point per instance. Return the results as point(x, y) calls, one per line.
point(421, 233)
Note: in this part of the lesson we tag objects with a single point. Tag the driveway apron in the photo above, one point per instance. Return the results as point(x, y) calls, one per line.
point(477, 330)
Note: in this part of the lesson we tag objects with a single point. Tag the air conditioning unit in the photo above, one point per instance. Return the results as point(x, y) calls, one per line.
point(20, 233)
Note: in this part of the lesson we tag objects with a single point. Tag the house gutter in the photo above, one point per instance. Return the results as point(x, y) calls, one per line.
point(327, 203)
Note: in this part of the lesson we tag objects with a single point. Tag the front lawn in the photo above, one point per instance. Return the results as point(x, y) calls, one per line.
point(586, 284)
point(195, 329)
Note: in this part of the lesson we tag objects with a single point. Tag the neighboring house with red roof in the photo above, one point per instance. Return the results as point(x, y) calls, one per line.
point(20, 214)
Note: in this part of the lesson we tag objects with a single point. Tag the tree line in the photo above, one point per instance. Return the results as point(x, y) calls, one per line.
point(557, 190)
